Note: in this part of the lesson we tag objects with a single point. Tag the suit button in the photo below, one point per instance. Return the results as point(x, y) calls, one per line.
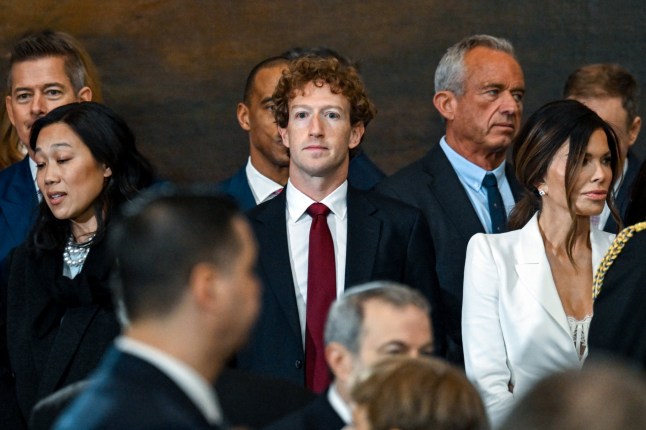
point(298, 364)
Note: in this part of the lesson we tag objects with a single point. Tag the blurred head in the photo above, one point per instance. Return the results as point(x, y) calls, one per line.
point(411, 394)
point(612, 92)
point(177, 247)
point(72, 141)
point(373, 321)
point(569, 154)
point(602, 396)
point(46, 70)
point(479, 90)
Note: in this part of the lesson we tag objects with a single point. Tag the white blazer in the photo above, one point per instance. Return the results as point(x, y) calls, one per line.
point(514, 328)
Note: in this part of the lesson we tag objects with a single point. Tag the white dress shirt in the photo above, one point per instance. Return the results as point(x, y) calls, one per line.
point(298, 235)
point(198, 389)
point(262, 187)
point(339, 405)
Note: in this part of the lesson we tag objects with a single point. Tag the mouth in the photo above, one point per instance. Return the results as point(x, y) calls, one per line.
point(599, 195)
point(56, 197)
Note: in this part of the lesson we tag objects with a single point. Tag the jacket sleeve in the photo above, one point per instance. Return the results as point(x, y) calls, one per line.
point(485, 354)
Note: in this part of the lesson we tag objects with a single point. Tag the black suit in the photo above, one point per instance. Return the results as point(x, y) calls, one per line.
point(432, 185)
point(387, 240)
point(617, 328)
point(622, 200)
point(56, 329)
point(318, 415)
point(127, 392)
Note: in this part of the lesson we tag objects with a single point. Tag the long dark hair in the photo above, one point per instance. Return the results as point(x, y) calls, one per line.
point(540, 139)
point(111, 143)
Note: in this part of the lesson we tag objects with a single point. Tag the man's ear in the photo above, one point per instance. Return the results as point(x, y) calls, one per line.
point(339, 360)
point(356, 134)
point(203, 285)
point(242, 113)
point(634, 129)
point(9, 107)
point(284, 136)
point(445, 102)
point(84, 94)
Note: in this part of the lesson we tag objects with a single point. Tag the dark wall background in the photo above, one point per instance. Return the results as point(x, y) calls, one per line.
point(176, 69)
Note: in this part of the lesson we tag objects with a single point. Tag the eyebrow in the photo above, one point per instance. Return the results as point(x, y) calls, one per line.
point(266, 100)
point(54, 146)
point(47, 85)
point(322, 107)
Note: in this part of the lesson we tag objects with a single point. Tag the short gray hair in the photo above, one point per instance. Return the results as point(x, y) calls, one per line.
point(345, 319)
point(450, 72)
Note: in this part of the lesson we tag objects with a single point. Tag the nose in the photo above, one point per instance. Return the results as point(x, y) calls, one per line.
point(38, 104)
point(316, 127)
point(602, 172)
point(509, 105)
point(50, 174)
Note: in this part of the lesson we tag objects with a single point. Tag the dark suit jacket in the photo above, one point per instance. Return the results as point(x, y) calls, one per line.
point(617, 328)
point(622, 199)
point(247, 400)
point(387, 240)
point(432, 185)
point(363, 174)
point(18, 205)
point(127, 392)
point(48, 344)
point(318, 415)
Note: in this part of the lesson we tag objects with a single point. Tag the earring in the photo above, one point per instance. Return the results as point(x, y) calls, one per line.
point(541, 193)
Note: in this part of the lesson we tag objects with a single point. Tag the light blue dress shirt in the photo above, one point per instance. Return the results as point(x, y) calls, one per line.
point(471, 177)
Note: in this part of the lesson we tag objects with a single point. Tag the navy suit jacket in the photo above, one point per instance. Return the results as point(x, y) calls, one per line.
point(127, 392)
point(18, 205)
point(432, 185)
point(318, 415)
point(363, 174)
point(622, 199)
point(387, 240)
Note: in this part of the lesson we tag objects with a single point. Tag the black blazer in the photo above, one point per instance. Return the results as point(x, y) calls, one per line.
point(432, 185)
point(318, 415)
point(387, 240)
point(127, 392)
point(617, 328)
point(49, 344)
point(362, 174)
point(622, 199)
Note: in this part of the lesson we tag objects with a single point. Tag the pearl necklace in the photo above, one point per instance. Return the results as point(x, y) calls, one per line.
point(75, 254)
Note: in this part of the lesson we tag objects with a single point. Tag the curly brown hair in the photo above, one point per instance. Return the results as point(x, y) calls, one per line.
point(342, 78)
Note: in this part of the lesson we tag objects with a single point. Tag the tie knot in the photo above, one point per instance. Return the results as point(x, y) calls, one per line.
point(489, 181)
point(317, 209)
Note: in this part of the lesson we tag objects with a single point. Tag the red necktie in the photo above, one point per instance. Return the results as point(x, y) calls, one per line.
point(321, 292)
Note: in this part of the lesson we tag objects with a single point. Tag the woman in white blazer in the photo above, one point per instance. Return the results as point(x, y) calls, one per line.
point(528, 293)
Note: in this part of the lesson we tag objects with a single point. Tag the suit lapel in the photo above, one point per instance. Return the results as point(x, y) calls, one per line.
point(18, 200)
point(445, 185)
point(364, 232)
point(535, 273)
point(239, 187)
point(271, 231)
point(71, 332)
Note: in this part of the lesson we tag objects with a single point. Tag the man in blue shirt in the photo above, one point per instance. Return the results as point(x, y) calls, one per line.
point(463, 185)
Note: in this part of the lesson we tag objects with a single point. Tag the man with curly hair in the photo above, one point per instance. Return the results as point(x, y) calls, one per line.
point(321, 235)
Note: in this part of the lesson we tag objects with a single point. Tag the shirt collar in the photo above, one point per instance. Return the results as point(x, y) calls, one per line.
point(339, 406)
point(471, 174)
point(187, 379)
point(261, 186)
point(298, 202)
